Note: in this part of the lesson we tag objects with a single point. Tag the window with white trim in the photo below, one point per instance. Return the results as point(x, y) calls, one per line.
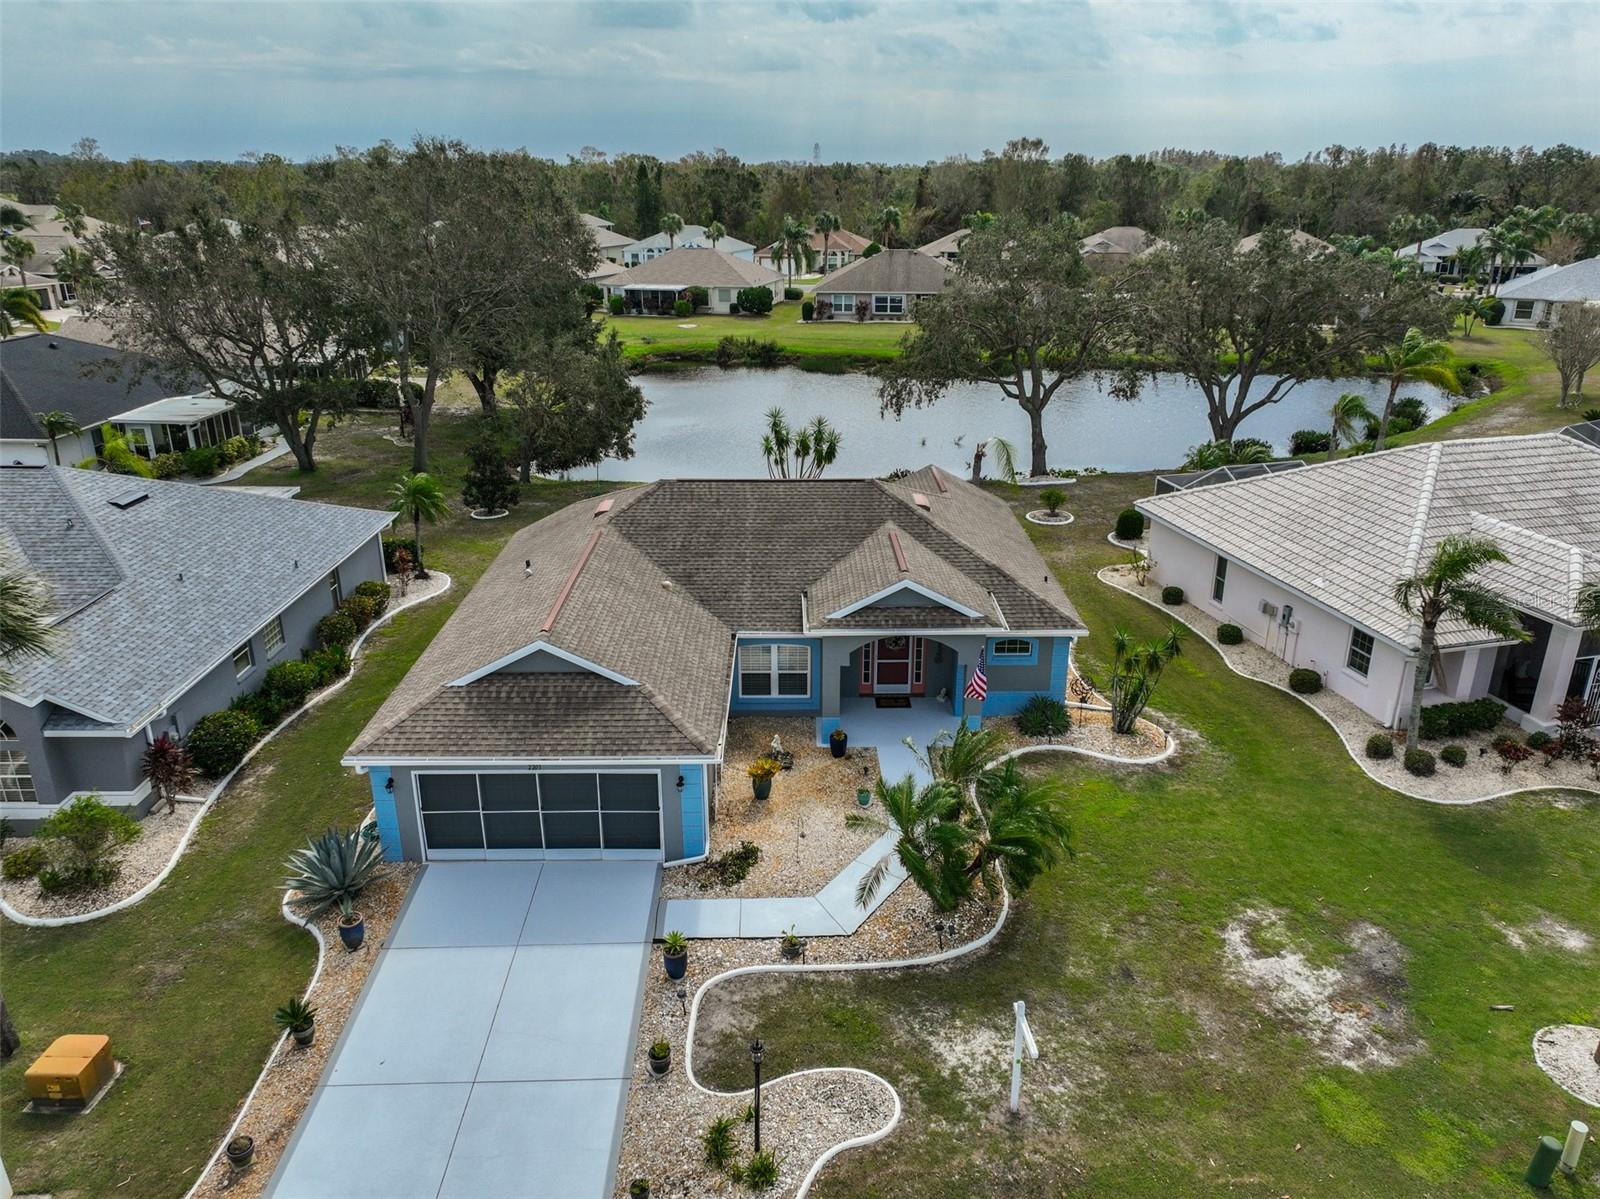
point(1523, 310)
point(273, 635)
point(1361, 646)
point(244, 658)
point(16, 778)
point(888, 305)
point(842, 302)
point(1013, 647)
point(1219, 580)
point(775, 670)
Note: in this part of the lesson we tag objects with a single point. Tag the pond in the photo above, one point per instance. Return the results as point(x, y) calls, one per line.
point(708, 423)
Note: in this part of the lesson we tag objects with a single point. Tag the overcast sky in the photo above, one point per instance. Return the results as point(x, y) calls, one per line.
point(897, 81)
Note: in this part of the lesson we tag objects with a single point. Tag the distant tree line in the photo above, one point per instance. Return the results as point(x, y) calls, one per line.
point(1386, 194)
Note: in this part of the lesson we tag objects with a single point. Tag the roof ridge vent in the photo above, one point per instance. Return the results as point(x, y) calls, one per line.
point(899, 554)
point(572, 580)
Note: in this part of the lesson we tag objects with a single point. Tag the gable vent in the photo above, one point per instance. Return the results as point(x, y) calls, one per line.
point(921, 501)
point(127, 501)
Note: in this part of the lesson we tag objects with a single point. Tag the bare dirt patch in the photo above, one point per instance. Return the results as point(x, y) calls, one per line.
point(1545, 932)
point(1354, 1012)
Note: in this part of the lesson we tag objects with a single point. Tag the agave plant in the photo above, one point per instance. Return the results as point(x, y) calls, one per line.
point(332, 867)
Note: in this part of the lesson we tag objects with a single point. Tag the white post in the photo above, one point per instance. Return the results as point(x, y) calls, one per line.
point(1577, 1134)
point(1022, 1042)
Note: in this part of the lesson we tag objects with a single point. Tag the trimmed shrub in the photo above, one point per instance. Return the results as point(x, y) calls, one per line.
point(682, 308)
point(1229, 634)
point(1539, 740)
point(363, 609)
point(264, 707)
point(203, 461)
point(167, 466)
point(733, 308)
point(291, 681)
point(1497, 313)
point(1412, 409)
point(1419, 762)
point(336, 628)
point(1172, 596)
point(1130, 524)
point(1461, 718)
point(755, 300)
point(1380, 747)
point(23, 863)
point(390, 544)
point(80, 841)
point(808, 310)
point(374, 589)
point(793, 293)
point(1304, 681)
point(1454, 755)
point(236, 449)
point(1309, 441)
point(1053, 498)
point(615, 305)
point(870, 249)
point(330, 664)
point(1044, 716)
point(219, 742)
point(699, 296)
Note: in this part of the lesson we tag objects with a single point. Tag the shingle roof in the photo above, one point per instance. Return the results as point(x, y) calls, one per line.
point(1298, 238)
point(47, 372)
point(1342, 533)
point(694, 266)
point(151, 595)
point(950, 243)
point(668, 574)
point(1579, 282)
point(1119, 239)
point(838, 239)
point(694, 234)
point(908, 271)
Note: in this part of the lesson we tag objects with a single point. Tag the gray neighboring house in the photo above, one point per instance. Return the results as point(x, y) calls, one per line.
point(655, 286)
point(1532, 301)
point(946, 249)
point(575, 705)
point(171, 600)
point(885, 287)
point(1440, 255)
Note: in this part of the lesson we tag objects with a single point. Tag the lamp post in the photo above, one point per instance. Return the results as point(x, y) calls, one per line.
point(756, 1051)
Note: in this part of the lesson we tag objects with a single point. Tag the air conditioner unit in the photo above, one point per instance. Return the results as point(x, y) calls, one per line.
point(1269, 609)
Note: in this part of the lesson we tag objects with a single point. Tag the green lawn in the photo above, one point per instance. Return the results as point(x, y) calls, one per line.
point(660, 336)
point(1162, 1075)
point(1525, 404)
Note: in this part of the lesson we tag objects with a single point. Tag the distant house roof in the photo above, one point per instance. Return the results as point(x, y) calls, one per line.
point(1577, 283)
point(693, 235)
point(651, 587)
point(152, 592)
point(950, 243)
point(1448, 244)
point(50, 236)
point(595, 222)
point(1298, 238)
point(908, 271)
point(1341, 533)
point(1119, 239)
point(839, 239)
point(47, 372)
point(694, 266)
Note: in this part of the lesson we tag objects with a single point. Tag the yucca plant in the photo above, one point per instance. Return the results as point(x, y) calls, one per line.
point(335, 866)
point(1135, 670)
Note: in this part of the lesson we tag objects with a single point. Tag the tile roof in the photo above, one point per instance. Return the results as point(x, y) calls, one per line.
point(151, 595)
point(674, 571)
point(47, 372)
point(838, 239)
point(691, 266)
point(909, 271)
point(1341, 533)
point(1579, 282)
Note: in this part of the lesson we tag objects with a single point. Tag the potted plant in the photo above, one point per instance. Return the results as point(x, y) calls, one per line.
point(863, 797)
point(240, 1150)
point(675, 954)
point(352, 927)
point(299, 1019)
point(761, 773)
point(639, 1188)
point(792, 947)
point(660, 1058)
point(838, 740)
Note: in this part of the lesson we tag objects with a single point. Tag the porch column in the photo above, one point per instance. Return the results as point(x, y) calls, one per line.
point(1560, 653)
point(835, 656)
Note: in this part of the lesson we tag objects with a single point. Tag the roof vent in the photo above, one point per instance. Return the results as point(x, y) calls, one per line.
point(603, 506)
point(527, 568)
point(938, 479)
point(129, 499)
point(921, 501)
point(666, 584)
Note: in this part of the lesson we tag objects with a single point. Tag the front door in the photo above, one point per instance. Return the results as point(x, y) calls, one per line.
point(891, 666)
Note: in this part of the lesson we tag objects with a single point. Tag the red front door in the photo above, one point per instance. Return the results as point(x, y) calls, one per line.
point(891, 665)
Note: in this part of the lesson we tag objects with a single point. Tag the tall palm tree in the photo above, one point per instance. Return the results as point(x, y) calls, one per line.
point(1470, 264)
point(932, 845)
point(18, 307)
point(19, 251)
point(796, 242)
point(73, 219)
point(25, 628)
point(715, 232)
point(1349, 413)
point(75, 266)
point(417, 497)
point(1446, 588)
point(1420, 359)
point(671, 225)
point(827, 224)
point(1508, 247)
point(58, 424)
point(889, 221)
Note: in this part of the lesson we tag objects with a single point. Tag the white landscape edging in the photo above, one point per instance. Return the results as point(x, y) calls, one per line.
point(1358, 758)
point(205, 802)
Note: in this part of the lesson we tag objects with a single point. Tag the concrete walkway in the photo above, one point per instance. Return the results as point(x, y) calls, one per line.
point(491, 1050)
point(832, 911)
point(276, 450)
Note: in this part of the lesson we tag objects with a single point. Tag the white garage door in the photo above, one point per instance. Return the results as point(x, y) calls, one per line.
point(547, 814)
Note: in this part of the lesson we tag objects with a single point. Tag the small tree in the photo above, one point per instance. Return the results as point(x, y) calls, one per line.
point(169, 770)
point(490, 485)
point(417, 497)
point(80, 842)
point(1473, 309)
point(58, 424)
point(1415, 358)
point(1136, 668)
point(403, 568)
point(1572, 343)
point(1446, 587)
point(802, 453)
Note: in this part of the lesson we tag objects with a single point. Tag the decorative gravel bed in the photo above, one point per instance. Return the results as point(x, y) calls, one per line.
point(1566, 1053)
point(292, 1073)
point(1091, 730)
point(1481, 778)
point(141, 861)
point(800, 827)
point(802, 1114)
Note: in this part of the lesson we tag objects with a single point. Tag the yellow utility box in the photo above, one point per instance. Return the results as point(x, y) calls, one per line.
point(72, 1071)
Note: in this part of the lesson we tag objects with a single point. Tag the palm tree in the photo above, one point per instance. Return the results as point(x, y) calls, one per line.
point(19, 251)
point(1470, 263)
point(1024, 829)
point(961, 757)
point(1509, 246)
point(25, 627)
point(58, 424)
point(1473, 309)
point(12, 217)
point(827, 224)
point(18, 307)
point(932, 844)
point(1349, 413)
point(169, 770)
point(802, 453)
point(1445, 588)
point(1418, 358)
point(889, 224)
point(715, 232)
point(417, 498)
point(796, 242)
point(1136, 668)
point(671, 225)
point(75, 266)
point(1005, 458)
point(75, 220)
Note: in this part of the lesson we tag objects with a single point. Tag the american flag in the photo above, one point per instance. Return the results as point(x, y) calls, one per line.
point(978, 684)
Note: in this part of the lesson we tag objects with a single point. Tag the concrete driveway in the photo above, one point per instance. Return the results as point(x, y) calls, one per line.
point(491, 1050)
